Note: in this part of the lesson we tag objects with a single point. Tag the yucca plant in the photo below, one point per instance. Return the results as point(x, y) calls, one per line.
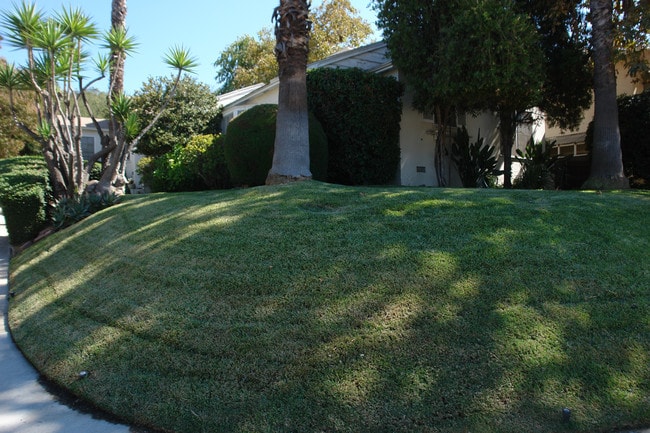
point(55, 73)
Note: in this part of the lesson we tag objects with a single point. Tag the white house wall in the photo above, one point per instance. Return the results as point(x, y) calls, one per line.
point(625, 85)
point(88, 130)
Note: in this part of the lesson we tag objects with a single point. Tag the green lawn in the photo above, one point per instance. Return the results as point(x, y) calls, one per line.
point(321, 308)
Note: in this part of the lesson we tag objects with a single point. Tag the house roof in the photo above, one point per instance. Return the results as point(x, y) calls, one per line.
point(372, 58)
point(87, 122)
point(235, 95)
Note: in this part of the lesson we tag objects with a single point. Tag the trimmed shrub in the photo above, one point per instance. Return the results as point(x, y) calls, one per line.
point(360, 113)
point(212, 167)
point(250, 142)
point(196, 166)
point(24, 186)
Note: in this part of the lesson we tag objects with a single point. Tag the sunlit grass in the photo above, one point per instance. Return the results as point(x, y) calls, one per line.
point(314, 307)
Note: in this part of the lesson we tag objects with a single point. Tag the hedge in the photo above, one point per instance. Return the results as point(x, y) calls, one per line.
point(24, 186)
point(360, 113)
point(250, 141)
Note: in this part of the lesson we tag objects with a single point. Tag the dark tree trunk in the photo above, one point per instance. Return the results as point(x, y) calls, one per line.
point(291, 152)
point(606, 156)
point(507, 125)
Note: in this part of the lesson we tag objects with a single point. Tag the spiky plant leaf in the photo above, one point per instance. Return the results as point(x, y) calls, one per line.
point(121, 107)
point(179, 58)
point(77, 25)
point(118, 40)
point(21, 25)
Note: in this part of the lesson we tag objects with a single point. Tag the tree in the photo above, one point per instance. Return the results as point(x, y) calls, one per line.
point(56, 63)
point(291, 149)
point(13, 140)
point(193, 110)
point(606, 156)
point(118, 25)
point(97, 104)
point(336, 25)
point(465, 55)
point(247, 61)
point(566, 92)
point(496, 66)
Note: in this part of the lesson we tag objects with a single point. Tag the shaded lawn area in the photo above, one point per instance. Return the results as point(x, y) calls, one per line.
point(322, 308)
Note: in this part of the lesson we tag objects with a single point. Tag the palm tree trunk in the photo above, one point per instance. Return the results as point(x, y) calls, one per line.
point(291, 152)
point(118, 20)
point(606, 156)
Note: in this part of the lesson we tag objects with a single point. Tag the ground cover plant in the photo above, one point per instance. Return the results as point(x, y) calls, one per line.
point(312, 307)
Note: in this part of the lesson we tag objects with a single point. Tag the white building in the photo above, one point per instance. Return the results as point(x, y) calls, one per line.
point(417, 140)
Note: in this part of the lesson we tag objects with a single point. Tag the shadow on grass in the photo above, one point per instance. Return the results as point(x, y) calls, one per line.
point(323, 308)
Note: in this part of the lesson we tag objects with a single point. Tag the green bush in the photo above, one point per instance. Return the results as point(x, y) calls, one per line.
point(361, 113)
point(537, 166)
point(249, 146)
point(196, 166)
point(24, 186)
point(212, 167)
point(476, 162)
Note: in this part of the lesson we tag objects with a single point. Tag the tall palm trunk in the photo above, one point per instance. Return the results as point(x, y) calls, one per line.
point(291, 153)
point(606, 156)
point(116, 87)
point(118, 20)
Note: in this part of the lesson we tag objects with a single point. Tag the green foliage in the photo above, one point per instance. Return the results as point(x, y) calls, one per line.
point(476, 162)
point(70, 210)
point(197, 166)
point(361, 113)
point(250, 140)
point(13, 140)
point(336, 25)
point(537, 166)
point(634, 121)
point(634, 124)
point(212, 166)
point(56, 72)
point(193, 110)
point(24, 187)
point(247, 61)
point(97, 103)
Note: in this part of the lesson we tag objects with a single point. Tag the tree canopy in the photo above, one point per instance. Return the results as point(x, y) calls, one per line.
point(193, 110)
point(471, 55)
point(336, 25)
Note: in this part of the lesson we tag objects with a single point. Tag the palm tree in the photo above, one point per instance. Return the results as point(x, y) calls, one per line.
point(291, 154)
point(118, 21)
point(606, 156)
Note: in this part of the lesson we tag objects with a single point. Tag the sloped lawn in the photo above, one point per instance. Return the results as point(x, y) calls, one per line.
point(321, 308)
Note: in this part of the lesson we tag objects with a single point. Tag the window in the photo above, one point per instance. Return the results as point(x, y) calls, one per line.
point(87, 147)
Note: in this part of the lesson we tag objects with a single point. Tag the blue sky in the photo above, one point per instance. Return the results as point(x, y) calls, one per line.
point(206, 27)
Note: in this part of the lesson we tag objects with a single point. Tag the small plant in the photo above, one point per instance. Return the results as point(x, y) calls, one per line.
point(476, 162)
point(537, 166)
point(68, 211)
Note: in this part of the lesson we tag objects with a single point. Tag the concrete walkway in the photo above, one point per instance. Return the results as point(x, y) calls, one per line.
point(25, 406)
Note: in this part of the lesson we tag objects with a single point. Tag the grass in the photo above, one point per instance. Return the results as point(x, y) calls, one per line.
point(321, 308)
